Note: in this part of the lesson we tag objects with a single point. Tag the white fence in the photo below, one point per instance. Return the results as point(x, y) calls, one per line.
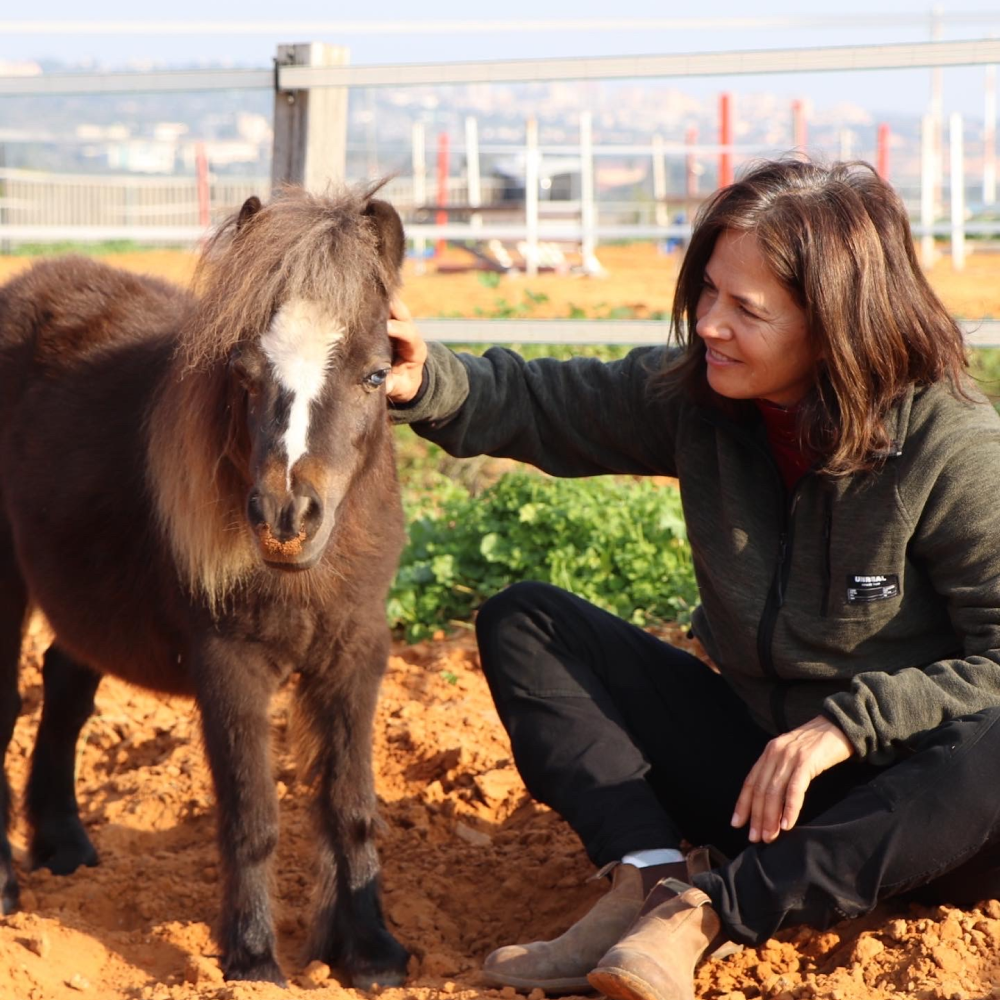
point(165, 210)
point(45, 207)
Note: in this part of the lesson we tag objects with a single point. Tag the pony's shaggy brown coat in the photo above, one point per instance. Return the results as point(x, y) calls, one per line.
point(140, 427)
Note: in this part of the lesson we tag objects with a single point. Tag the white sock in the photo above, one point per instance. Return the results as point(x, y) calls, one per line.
point(655, 856)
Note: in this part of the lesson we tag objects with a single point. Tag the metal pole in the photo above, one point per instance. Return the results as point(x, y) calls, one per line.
point(990, 138)
point(472, 170)
point(846, 143)
point(659, 182)
point(937, 113)
point(419, 161)
point(588, 205)
point(371, 134)
point(927, 178)
point(310, 126)
point(957, 192)
point(531, 172)
point(690, 172)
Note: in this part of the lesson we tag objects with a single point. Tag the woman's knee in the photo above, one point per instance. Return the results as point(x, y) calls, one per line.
point(516, 624)
point(504, 609)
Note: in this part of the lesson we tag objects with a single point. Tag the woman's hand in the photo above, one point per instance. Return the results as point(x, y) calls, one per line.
point(409, 352)
point(775, 788)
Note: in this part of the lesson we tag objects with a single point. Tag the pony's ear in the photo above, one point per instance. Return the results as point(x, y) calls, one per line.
point(250, 208)
point(389, 230)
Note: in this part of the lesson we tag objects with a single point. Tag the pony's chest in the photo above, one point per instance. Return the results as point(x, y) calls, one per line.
point(286, 632)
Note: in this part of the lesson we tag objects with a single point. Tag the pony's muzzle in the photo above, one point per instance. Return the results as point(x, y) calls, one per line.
point(286, 523)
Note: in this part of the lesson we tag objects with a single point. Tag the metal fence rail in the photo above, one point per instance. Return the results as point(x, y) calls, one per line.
point(637, 332)
point(790, 60)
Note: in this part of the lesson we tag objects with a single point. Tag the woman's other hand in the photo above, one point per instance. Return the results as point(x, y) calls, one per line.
point(409, 352)
point(775, 788)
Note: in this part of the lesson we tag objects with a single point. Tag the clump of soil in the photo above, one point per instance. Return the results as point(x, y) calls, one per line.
point(470, 863)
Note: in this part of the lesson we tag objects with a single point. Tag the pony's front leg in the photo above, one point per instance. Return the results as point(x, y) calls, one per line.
point(350, 930)
point(13, 603)
point(234, 684)
point(59, 841)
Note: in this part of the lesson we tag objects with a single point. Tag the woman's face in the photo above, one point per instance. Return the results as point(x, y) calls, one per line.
point(756, 340)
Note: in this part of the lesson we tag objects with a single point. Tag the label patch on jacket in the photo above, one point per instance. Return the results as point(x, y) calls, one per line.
point(863, 589)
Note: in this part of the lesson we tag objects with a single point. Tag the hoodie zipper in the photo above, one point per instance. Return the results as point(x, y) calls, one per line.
point(775, 601)
point(827, 558)
point(776, 590)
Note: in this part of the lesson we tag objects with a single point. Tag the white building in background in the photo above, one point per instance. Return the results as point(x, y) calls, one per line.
point(142, 156)
point(22, 67)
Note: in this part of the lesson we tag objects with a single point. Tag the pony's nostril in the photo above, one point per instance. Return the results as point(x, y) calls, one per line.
point(255, 508)
point(313, 512)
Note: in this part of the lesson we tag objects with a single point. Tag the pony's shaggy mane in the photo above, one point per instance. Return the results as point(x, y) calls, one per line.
point(322, 248)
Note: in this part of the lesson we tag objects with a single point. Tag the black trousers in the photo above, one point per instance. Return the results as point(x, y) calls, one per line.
point(640, 745)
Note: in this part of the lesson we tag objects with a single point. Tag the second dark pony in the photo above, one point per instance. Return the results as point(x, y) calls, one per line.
point(199, 492)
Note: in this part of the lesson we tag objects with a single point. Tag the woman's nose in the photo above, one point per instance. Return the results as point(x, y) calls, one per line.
point(714, 324)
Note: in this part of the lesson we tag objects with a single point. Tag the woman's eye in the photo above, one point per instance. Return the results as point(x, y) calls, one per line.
point(377, 378)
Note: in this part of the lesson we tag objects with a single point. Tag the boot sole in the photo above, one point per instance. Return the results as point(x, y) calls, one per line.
point(620, 984)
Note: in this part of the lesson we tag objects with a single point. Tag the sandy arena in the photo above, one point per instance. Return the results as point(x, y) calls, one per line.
point(469, 861)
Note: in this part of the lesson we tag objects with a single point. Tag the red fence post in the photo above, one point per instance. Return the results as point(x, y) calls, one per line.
point(799, 134)
point(882, 154)
point(201, 185)
point(725, 140)
point(441, 216)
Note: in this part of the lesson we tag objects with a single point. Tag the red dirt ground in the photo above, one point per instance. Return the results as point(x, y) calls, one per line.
point(470, 863)
point(637, 275)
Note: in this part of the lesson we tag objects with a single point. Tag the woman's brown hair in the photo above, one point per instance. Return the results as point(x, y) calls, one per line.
point(839, 239)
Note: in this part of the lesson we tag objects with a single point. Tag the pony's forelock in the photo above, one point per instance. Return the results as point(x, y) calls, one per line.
point(319, 248)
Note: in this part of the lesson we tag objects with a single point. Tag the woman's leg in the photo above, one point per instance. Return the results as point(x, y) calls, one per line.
point(932, 813)
point(635, 743)
point(911, 823)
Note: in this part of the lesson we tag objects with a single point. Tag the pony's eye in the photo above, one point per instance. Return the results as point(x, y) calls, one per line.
point(376, 379)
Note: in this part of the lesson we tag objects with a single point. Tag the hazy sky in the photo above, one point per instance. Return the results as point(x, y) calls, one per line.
point(882, 91)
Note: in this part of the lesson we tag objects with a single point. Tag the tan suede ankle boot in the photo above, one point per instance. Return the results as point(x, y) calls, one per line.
point(656, 959)
point(561, 965)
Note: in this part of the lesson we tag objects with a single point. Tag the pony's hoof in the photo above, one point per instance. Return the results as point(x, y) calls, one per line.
point(10, 898)
point(384, 964)
point(63, 851)
point(255, 970)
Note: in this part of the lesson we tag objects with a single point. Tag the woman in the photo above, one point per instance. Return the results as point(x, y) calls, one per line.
point(837, 474)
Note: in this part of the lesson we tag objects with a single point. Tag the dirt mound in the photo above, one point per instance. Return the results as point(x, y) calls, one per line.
point(470, 863)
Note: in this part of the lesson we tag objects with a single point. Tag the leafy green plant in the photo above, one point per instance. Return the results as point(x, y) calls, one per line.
point(488, 279)
point(986, 370)
point(69, 246)
point(617, 542)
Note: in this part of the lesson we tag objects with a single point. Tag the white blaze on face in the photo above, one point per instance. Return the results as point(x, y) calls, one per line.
point(298, 346)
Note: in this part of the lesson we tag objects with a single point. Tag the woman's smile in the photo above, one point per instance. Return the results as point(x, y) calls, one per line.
point(714, 357)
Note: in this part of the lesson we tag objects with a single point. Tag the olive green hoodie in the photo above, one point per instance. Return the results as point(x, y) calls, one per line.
point(873, 599)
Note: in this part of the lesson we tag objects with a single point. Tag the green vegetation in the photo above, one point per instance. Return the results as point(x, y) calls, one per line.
point(527, 308)
point(67, 246)
point(986, 371)
point(617, 542)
